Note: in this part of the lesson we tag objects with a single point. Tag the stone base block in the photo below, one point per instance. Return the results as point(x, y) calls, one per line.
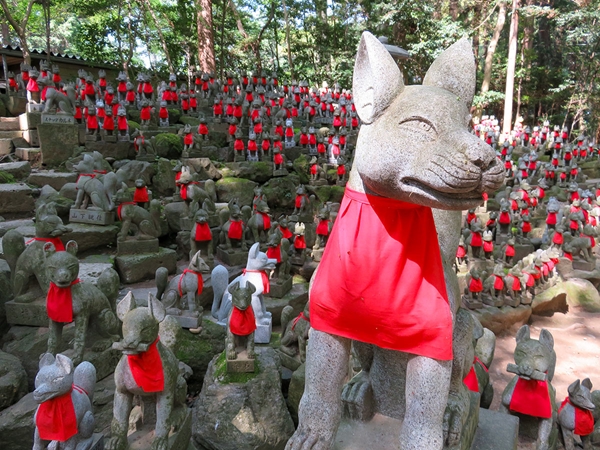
point(280, 173)
point(28, 154)
point(91, 217)
point(341, 183)
point(471, 303)
point(134, 268)
point(318, 182)
point(582, 264)
point(147, 158)
point(29, 314)
point(496, 431)
point(280, 287)
point(92, 137)
point(186, 319)
point(242, 364)
point(262, 335)
point(233, 257)
point(58, 119)
point(32, 137)
point(34, 107)
point(512, 302)
point(29, 121)
point(16, 198)
point(179, 440)
point(111, 138)
point(317, 254)
point(55, 179)
point(6, 146)
point(137, 246)
point(493, 301)
point(238, 158)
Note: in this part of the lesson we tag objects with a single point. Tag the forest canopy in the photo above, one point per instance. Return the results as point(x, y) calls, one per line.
point(555, 43)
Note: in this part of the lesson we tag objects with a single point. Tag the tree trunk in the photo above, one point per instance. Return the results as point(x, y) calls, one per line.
point(206, 44)
point(287, 39)
point(20, 28)
point(489, 57)
point(510, 68)
point(163, 42)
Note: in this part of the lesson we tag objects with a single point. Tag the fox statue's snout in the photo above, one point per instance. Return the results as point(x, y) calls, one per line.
point(424, 153)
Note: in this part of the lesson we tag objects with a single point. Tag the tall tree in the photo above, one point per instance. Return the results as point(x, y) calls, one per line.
point(491, 50)
point(510, 67)
point(20, 27)
point(206, 42)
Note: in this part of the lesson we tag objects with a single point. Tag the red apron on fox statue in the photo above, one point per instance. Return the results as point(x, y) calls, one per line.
point(381, 282)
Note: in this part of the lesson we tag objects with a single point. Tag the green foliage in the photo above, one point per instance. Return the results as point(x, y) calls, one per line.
point(224, 377)
point(6, 178)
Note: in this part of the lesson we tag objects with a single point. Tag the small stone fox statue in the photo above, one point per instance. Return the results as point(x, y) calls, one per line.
point(575, 415)
point(241, 323)
point(64, 419)
point(530, 393)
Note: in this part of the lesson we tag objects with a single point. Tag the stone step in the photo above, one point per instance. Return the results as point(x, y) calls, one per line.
point(20, 169)
point(4, 134)
point(9, 124)
point(54, 179)
point(16, 198)
point(6, 146)
point(33, 154)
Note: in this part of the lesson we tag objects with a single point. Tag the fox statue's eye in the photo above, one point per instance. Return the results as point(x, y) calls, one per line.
point(419, 127)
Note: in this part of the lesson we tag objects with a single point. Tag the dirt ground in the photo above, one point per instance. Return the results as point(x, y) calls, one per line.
point(577, 345)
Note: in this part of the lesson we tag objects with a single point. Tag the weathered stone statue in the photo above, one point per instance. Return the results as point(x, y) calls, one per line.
point(143, 223)
point(61, 103)
point(148, 368)
point(233, 230)
point(390, 180)
point(26, 259)
point(241, 325)
point(294, 336)
point(93, 189)
point(201, 238)
point(255, 273)
point(260, 222)
point(530, 393)
point(71, 300)
point(64, 419)
point(575, 415)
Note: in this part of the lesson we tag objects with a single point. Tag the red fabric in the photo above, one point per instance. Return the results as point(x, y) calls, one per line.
point(198, 275)
point(504, 218)
point(235, 229)
point(488, 246)
point(238, 145)
point(147, 369)
point(58, 245)
point(476, 285)
point(32, 85)
point(399, 301)
point(574, 225)
point(122, 123)
point(498, 282)
point(286, 232)
point(13, 84)
point(277, 159)
point(323, 227)
point(557, 238)
point(147, 88)
point(471, 217)
point(341, 170)
point(202, 129)
point(591, 238)
point(530, 280)
point(242, 323)
point(289, 132)
point(531, 397)
point(92, 122)
point(130, 97)
point(141, 194)
point(526, 227)
point(163, 113)
point(476, 240)
point(516, 283)
point(109, 123)
point(274, 253)
point(313, 169)
point(299, 198)
point(298, 318)
point(584, 419)
point(203, 232)
point(266, 220)
point(510, 250)
point(252, 146)
point(265, 279)
point(101, 113)
point(59, 303)
point(120, 208)
point(299, 242)
point(188, 139)
point(551, 219)
point(461, 252)
point(55, 418)
point(145, 113)
point(471, 380)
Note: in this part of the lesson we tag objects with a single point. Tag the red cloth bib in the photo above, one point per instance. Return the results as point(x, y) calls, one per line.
point(299, 243)
point(551, 219)
point(58, 244)
point(526, 227)
point(476, 240)
point(532, 398)
point(471, 218)
point(55, 418)
point(235, 230)
point(476, 285)
point(584, 419)
point(59, 303)
point(299, 200)
point(242, 323)
point(266, 220)
point(264, 277)
point(198, 275)
point(504, 218)
point(122, 123)
point(203, 232)
point(510, 250)
point(274, 253)
point(461, 252)
point(323, 228)
point(147, 369)
point(471, 380)
point(488, 246)
point(399, 302)
point(120, 208)
point(286, 232)
point(498, 282)
point(141, 194)
point(557, 238)
point(277, 158)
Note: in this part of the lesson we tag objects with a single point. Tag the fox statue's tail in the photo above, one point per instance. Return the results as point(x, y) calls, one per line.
point(13, 245)
point(220, 280)
point(84, 377)
point(162, 279)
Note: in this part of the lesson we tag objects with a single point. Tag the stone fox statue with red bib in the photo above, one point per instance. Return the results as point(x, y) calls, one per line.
point(386, 281)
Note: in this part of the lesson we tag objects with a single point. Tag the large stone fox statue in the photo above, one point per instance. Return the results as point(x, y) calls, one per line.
point(386, 281)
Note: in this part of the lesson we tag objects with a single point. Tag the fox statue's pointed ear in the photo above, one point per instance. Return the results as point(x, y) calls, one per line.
point(377, 81)
point(454, 70)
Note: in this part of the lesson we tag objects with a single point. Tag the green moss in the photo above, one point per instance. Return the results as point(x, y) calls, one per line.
point(133, 126)
point(323, 193)
point(337, 193)
point(301, 168)
point(6, 177)
point(226, 180)
point(224, 377)
point(275, 341)
point(187, 120)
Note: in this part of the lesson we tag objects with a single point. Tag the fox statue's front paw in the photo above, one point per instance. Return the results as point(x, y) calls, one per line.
point(455, 417)
point(160, 443)
point(304, 439)
point(115, 443)
point(357, 397)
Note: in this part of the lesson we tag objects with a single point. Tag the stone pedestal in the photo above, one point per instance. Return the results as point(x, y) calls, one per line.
point(92, 217)
point(138, 267)
point(262, 335)
point(242, 364)
point(582, 264)
point(92, 137)
point(341, 183)
point(280, 173)
point(58, 119)
point(317, 182)
point(137, 246)
point(29, 314)
point(280, 287)
point(147, 158)
point(110, 139)
point(317, 254)
point(187, 319)
point(471, 303)
point(232, 257)
point(512, 302)
point(142, 439)
point(238, 157)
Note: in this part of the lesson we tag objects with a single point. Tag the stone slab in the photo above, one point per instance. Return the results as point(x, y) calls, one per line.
point(32, 137)
point(135, 246)
point(262, 335)
point(16, 198)
point(142, 439)
point(119, 150)
point(31, 314)
point(29, 120)
point(57, 142)
point(11, 134)
point(496, 431)
point(6, 146)
point(91, 217)
point(242, 364)
point(28, 154)
point(54, 179)
point(233, 257)
point(58, 119)
point(19, 169)
point(187, 319)
point(134, 268)
point(279, 288)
